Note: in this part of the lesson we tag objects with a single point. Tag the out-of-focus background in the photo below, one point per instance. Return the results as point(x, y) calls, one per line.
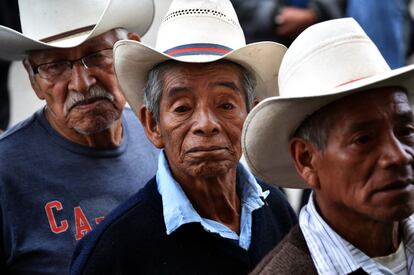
point(388, 23)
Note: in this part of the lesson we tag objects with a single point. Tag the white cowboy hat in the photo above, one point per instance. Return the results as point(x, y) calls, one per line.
point(48, 24)
point(197, 31)
point(326, 62)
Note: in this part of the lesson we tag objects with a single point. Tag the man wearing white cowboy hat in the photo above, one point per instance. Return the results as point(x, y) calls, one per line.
point(63, 169)
point(343, 125)
point(203, 212)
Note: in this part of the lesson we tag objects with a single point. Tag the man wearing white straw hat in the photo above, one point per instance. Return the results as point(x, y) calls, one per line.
point(343, 126)
point(203, 212)
point(64, 168)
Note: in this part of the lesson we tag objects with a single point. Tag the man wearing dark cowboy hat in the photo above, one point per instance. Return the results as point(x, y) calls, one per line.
point(343, 126)
point(203, 212)
point(63, 169)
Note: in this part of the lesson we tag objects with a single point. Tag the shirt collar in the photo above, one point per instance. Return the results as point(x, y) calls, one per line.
point(332, 254)
point(178, 210)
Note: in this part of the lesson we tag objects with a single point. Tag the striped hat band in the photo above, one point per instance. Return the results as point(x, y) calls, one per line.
point(198, 49)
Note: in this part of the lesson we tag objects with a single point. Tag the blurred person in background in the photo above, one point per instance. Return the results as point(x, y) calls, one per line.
point(282, 20)
point(388, 23)
point(9, 16)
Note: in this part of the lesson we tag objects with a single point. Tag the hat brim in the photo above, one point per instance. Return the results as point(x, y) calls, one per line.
point(134, 60)
point(271, 123)
point(117, 14)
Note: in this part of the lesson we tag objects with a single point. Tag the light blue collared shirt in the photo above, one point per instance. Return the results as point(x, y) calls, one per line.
point(178, 209)
point(332, 254)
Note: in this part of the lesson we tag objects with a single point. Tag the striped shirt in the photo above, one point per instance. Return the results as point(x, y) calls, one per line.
point(332, 254)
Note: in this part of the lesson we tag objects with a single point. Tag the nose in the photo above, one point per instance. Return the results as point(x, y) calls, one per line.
point(81, 79)
point(396, 153)
point(206, 122)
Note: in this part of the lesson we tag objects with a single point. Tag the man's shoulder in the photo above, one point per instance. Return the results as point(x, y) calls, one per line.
point(147, 200)
point(21, 130)
point(130, 222)
point(18, 137)
point(290, 256)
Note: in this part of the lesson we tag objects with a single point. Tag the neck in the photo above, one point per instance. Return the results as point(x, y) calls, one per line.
point(106, 139)
point(374, 238)
point(215, 198)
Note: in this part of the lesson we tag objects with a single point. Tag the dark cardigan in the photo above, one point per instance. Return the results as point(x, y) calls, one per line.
point(290, 256)
point(133, 240)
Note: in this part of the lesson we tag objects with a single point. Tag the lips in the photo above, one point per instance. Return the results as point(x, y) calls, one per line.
point(397, 185)
point(88, 101)
point(201, 149)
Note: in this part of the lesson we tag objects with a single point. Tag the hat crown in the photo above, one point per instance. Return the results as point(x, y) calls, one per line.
point(214, 23)
point(328, 55)
point(47, 18)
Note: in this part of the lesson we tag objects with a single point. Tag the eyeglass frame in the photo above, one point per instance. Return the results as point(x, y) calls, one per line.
point(35, 67)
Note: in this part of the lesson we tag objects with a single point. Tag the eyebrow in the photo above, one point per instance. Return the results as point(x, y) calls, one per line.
point(404, 116)
point(400, 117)
point(228, 84)
point(183, 89)
point(177, 90)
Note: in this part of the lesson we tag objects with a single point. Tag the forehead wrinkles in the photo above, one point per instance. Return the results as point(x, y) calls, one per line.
point(368, 108)
point(185, 75)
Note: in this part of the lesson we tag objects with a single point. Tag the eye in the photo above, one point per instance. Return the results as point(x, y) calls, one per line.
point(362, 139)
point(54, 68)
point(227, 106)
point(181, 109)
point(406, 131)
point(100, 58)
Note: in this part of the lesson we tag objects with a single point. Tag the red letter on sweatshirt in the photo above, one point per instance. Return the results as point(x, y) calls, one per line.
point(52, 221)
point(82, 224)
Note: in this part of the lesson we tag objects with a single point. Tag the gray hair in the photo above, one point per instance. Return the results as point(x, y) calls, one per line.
point(315, 128)
point(154, 86)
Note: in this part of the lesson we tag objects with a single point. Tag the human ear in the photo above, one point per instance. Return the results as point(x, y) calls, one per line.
point(304, 155)
point(151, 127)
point(32, 79)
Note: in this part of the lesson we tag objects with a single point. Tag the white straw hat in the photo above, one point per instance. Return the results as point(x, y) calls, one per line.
point(197, 31)
point(326, 62)
point(48, 24)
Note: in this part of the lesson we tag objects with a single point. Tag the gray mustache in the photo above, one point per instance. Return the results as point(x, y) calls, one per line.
point(74, 98)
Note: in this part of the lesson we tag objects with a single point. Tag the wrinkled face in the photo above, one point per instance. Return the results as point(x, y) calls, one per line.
point(367, 165)
point(84, 100)
point(202, 111)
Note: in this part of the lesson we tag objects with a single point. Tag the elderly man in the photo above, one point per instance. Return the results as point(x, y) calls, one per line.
point(346, 120)
point(203, 213)
point(63, 169)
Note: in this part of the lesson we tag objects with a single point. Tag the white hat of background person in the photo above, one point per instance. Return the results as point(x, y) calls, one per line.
point(48, 24)
point(197, 31)
point(326, 62)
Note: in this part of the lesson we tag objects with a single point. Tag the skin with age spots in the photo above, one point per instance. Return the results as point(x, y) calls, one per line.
point(202, 111)
point(364, 175)
point(96, 120)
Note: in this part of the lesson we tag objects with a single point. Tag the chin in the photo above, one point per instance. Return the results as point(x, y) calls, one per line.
point(92, 129)
point(396, 213)
point(212, 169)
point(95, 123)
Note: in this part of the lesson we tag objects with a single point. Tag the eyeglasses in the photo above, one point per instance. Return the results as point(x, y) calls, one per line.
point(62, 69)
